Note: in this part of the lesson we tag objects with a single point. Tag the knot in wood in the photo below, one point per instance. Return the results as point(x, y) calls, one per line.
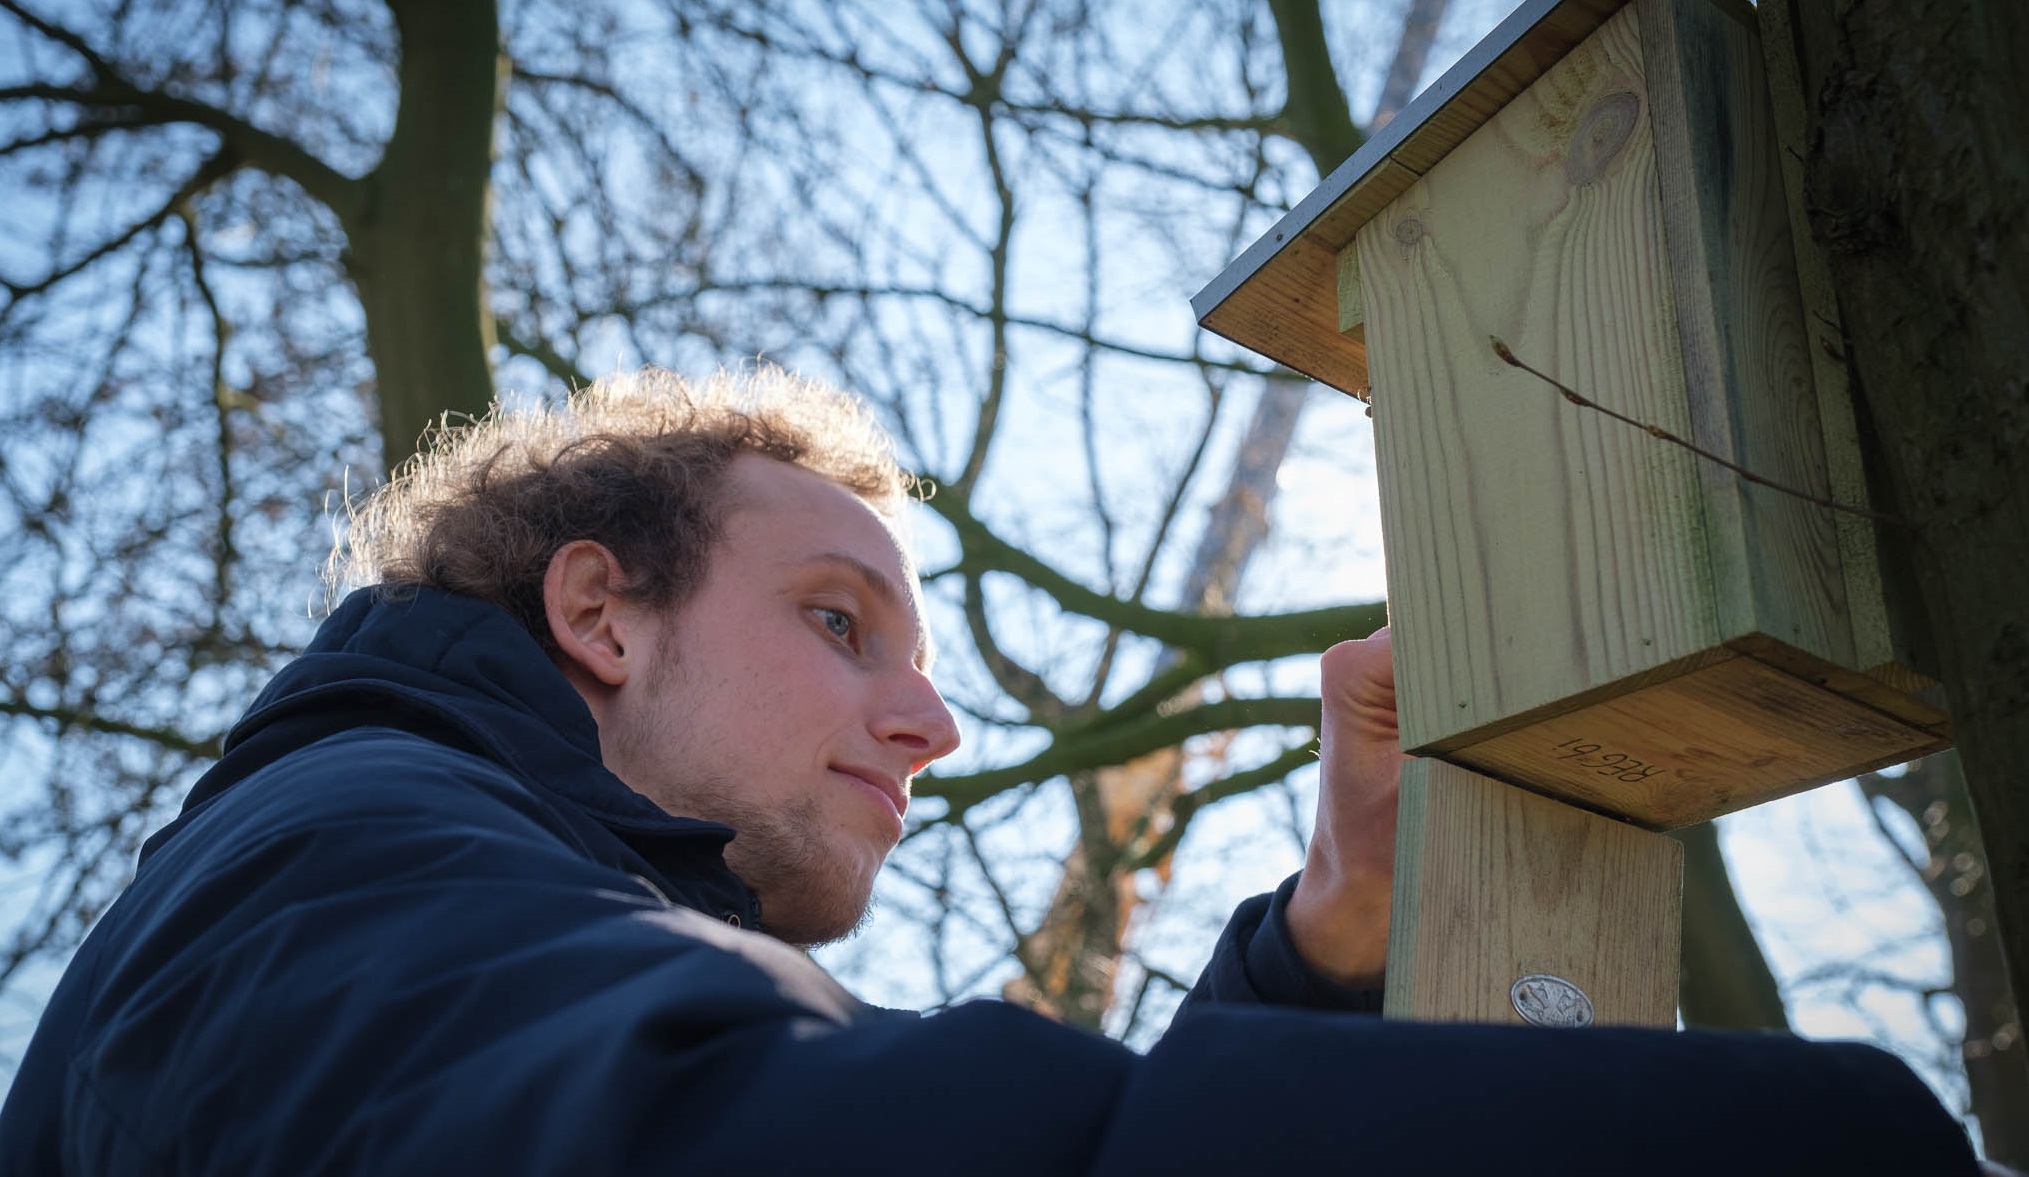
point(1602, 133)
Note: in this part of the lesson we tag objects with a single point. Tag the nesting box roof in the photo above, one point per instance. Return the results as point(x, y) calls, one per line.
point(1280, 297)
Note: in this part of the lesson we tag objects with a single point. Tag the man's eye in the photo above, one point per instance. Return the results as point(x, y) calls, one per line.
point(837, 622)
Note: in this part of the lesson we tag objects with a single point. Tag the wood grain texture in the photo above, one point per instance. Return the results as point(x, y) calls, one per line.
point(1715, 739)
point(1775, 559)
point(1911, 704)
point(1282, 315)
point(1544, 559)
point(1535, 551)
point(1880, 643)
point(1499, 72)
point(1493, 883)
point(1277, 295)
point(1352, 306)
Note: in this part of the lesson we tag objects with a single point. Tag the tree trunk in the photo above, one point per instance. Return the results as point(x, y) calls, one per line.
point(1072, 958)
point(1314, 110)
point(1917, 187)
point(1726, 982)
point(418, 240)
point(1419, 31)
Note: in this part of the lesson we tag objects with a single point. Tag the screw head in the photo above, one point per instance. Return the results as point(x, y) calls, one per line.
point(1546, 1000)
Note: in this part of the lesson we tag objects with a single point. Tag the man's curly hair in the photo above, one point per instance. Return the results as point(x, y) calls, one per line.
point(636, 462)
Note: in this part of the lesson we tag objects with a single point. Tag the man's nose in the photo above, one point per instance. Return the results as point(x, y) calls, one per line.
point(919, 721)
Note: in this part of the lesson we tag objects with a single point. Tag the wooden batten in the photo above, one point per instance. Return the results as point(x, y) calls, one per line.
point(1352, 303)
point(1543, 887)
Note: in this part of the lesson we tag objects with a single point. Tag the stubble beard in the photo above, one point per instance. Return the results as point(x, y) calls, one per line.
point(807, 896)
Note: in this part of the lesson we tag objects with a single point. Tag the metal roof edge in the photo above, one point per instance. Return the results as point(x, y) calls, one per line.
point(1377, 151)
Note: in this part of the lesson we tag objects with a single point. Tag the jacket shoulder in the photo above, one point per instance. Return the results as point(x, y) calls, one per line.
point(348, 781)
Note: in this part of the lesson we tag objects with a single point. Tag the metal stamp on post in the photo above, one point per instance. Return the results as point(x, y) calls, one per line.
point(1544, 1000)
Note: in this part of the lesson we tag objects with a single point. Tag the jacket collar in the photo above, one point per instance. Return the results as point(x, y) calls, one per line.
point(468, 669)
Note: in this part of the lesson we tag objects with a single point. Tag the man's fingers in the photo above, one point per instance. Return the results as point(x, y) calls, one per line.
point(1361, 671)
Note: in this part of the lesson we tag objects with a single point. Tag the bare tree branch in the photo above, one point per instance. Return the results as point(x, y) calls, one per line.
point(207, 174)
point(1144, 852)
point(1222, 641)
point(272, 153)
point(70, 717)
point(539, 350)
point(1117, 744)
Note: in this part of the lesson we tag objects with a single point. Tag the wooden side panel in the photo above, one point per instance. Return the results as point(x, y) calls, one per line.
point(1535, 551)
point(1880, 640)
point(1492, 884)
point(1775, 558)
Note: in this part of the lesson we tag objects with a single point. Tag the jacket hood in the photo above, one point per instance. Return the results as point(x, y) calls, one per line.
point(463, 672)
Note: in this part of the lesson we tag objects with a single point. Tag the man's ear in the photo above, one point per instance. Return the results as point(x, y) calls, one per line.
point(588, 619)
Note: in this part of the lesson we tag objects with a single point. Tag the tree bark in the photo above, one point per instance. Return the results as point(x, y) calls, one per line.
point(1419, 31)
point(1314, 112)
point(418, 240)
point(1917, 187)
point(1726, 982)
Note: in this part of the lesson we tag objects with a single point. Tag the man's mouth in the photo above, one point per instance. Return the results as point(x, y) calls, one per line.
point(889, 788)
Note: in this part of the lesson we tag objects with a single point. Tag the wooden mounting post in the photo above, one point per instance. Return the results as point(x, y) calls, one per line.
point(1494, 884)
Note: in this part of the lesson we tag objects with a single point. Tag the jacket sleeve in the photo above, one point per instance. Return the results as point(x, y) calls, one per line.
point(355, 979)
point(1256, 963)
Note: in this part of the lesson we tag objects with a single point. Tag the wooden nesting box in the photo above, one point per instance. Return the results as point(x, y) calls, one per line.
point(1580, 608)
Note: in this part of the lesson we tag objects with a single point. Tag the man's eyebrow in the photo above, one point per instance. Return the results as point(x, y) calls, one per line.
point(882, 586)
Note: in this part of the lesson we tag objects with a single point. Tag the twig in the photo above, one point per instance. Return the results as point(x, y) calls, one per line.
point(1661, 434)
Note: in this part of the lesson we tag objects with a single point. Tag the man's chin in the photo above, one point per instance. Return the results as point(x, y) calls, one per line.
point(820, 929)
point(817, 911)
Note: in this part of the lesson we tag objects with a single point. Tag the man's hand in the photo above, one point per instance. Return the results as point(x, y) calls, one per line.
point(1339, 913)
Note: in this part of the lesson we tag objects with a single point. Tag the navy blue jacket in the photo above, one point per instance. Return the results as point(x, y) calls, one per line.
point(409, 924)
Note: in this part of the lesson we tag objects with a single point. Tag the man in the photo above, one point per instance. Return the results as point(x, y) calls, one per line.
point(507, 874)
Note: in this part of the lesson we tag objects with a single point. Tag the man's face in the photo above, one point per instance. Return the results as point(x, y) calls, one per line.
point(789, 699)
